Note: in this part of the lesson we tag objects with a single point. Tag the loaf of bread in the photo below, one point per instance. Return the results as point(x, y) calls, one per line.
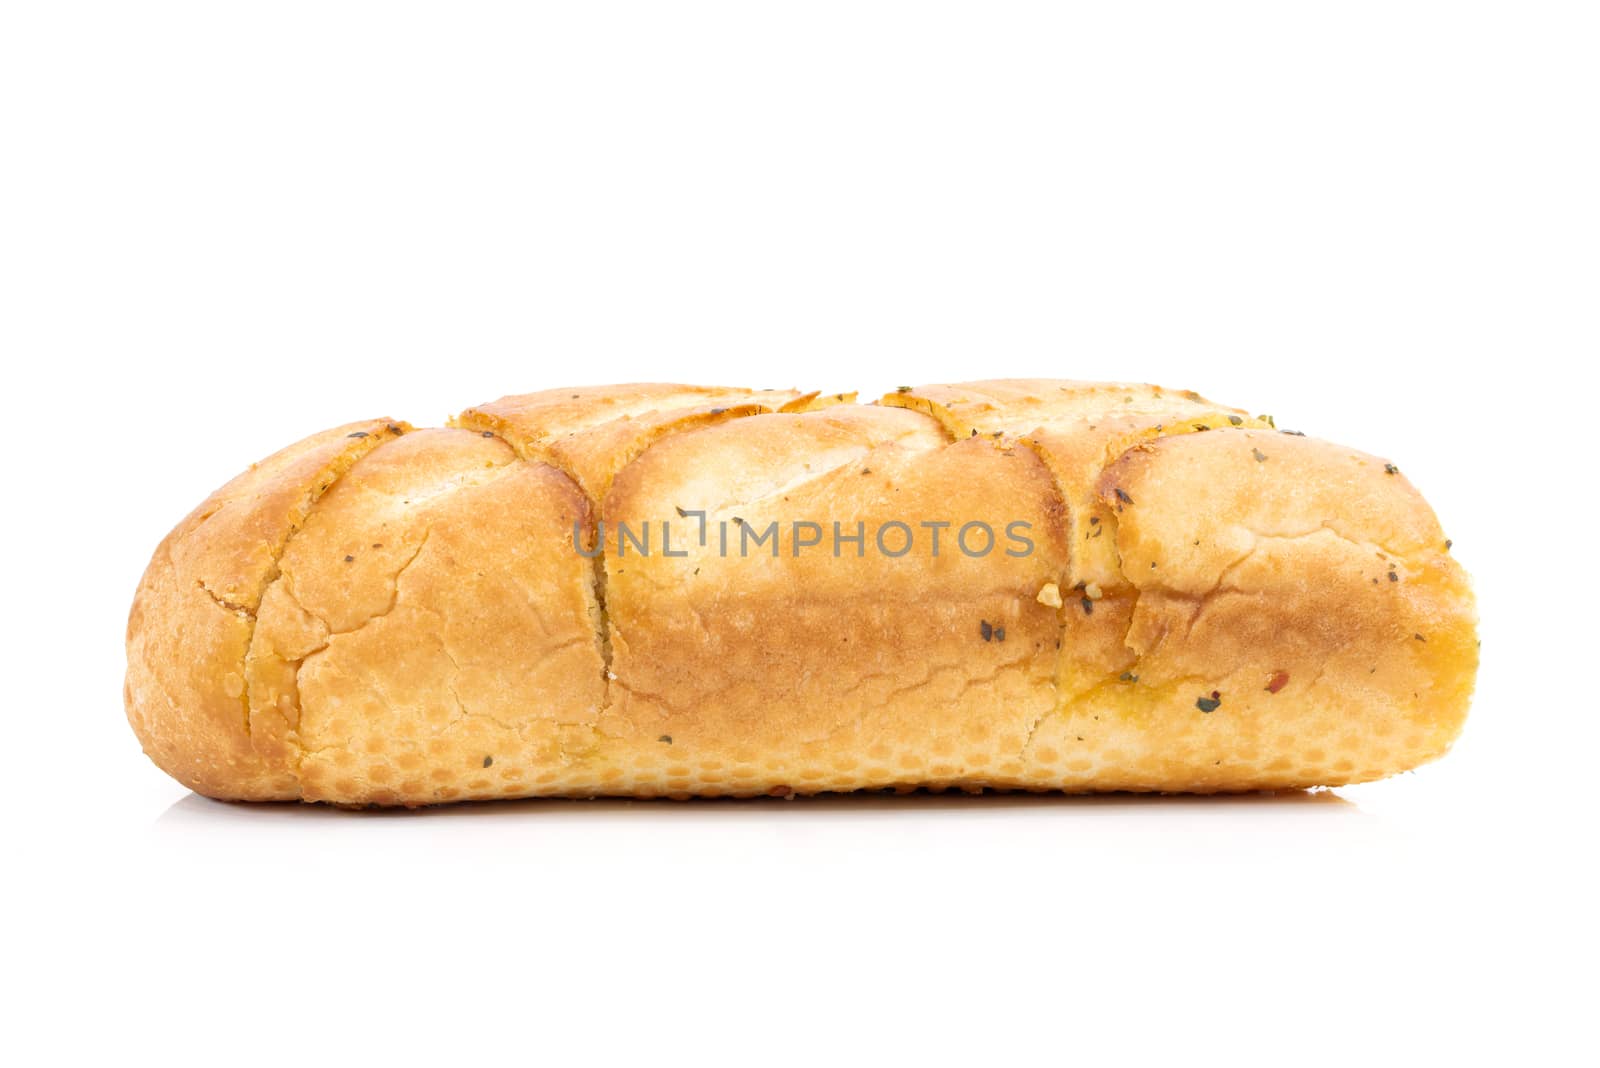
point(662, 590)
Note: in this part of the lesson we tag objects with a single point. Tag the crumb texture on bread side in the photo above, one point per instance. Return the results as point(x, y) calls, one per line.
point(381, 617)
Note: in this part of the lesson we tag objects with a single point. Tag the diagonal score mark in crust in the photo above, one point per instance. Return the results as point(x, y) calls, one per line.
point(952, 427)
point(598, 616)
point(359, 447)
point(538, 450)
point(994, 415)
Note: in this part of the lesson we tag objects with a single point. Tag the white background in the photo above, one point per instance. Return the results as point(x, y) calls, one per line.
point(223, 227)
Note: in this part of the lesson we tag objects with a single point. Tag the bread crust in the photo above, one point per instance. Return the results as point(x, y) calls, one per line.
point(380, 617)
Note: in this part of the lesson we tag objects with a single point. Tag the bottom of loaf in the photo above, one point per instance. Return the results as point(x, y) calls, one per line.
point(500, 780)
point(786, 793)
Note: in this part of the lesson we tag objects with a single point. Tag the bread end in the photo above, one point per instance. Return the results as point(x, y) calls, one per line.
point(193, 617)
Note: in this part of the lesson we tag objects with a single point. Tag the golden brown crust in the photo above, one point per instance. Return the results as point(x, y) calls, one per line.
point(1204, 604)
